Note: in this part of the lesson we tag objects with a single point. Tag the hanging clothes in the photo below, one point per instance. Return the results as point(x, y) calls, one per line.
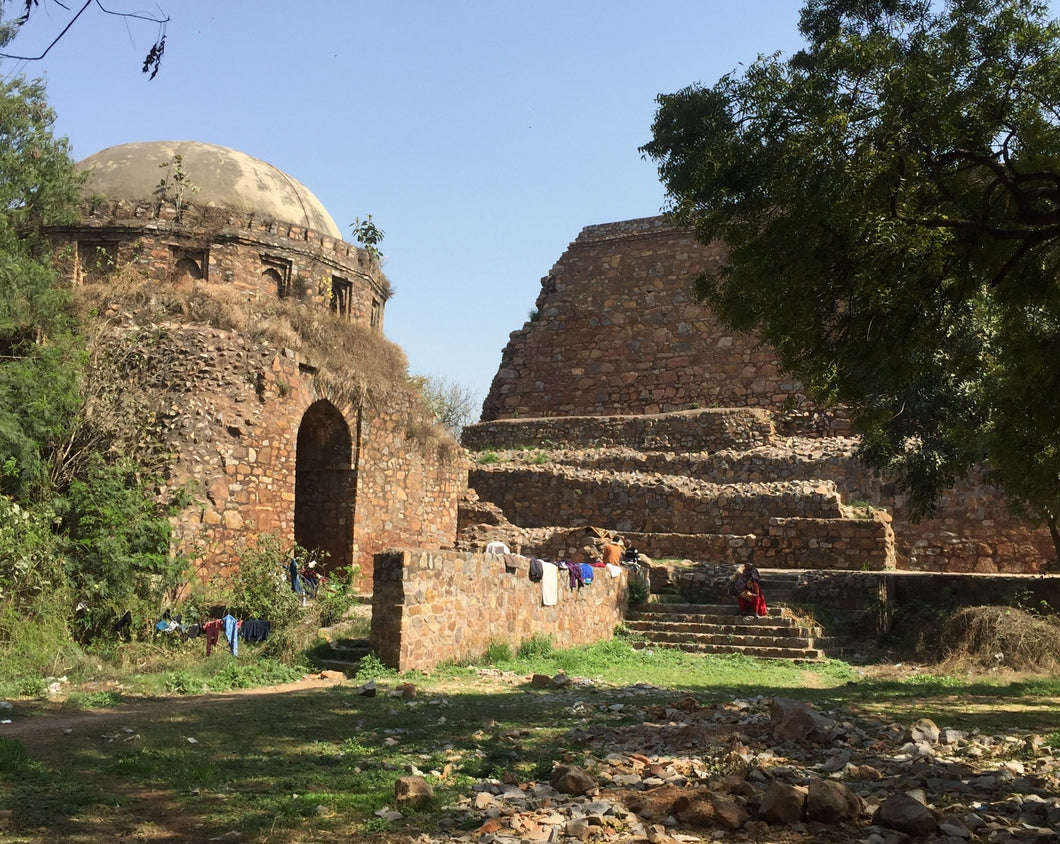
point(212, 631)
point(549, 584)
point(232, 633)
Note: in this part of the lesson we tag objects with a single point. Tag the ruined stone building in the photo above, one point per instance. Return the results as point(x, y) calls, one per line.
point(652, 418)
point(267, 436)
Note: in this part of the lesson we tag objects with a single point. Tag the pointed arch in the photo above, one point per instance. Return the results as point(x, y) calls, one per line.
point(325, 484)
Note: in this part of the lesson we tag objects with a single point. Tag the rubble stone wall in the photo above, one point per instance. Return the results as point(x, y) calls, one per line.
point(432, 606)
point(686, 431)
point(262, 257)
point(561, 495)
point(972, 529)
point(866, 600)
point(226, 409)
point(618, 330)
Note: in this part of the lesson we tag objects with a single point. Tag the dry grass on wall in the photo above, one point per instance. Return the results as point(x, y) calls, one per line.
point(990, 637)
point(356, 366)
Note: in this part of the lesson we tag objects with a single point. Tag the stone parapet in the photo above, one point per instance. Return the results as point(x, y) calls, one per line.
point(432, 606)
point(684, 431)
point(862, 602)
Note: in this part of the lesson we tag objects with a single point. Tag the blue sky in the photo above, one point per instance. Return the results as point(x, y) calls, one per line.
point(480, 136)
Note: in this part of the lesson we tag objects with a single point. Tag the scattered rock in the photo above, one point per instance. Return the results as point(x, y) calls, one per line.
point(829, 801)
point(412, 791)
point(783, 803)
point(797, 721)
point(570, 779)
point(904, 814)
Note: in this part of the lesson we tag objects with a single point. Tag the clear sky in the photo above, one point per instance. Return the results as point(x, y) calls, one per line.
point(481, 135)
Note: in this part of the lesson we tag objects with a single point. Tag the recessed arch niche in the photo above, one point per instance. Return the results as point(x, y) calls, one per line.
point(325, 484)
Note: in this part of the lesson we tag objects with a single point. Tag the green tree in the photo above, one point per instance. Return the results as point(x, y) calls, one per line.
point(890, 200)
point(117, 546)
point(39, 347)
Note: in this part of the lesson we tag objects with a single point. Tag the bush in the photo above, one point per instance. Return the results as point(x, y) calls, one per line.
point(259, 588)
point(334, 597)
point(117, 547)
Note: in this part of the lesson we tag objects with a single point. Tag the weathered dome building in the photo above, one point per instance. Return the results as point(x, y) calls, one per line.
point(269, 437)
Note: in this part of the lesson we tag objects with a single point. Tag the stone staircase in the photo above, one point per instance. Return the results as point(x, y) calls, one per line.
point(343, 655)
point(666, 621)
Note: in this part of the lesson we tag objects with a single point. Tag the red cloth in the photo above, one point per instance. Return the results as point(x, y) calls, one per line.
point(755, 605)
point(212, 630)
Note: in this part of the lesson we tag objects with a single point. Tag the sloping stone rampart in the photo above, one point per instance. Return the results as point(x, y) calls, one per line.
point(433, 606)
point(687, 431)
point(619, 333)
point(619, 330)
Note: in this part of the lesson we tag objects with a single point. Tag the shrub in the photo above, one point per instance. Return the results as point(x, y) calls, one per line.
point(497, 652)
point(117, 547)
point(536, 647)
point(259, 588)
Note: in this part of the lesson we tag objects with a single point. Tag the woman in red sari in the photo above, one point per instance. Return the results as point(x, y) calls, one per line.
point(749, 595)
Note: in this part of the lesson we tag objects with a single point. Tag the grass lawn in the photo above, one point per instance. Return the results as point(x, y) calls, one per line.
point(317, 764)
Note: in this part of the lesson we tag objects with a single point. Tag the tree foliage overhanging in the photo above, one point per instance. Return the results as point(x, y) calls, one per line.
point(75, 553)
point(890, 200)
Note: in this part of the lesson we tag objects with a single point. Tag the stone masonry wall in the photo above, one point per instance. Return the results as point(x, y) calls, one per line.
point(223, 247)
point(562, 495)
point(433, 606)
point(863, 602)
point(843, 544)
point(972, 529)
point(409, 486)
point(685, 431)
point(619, 331)
point(225, 411)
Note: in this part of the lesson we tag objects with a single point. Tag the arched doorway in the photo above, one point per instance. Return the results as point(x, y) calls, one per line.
point(325, 485)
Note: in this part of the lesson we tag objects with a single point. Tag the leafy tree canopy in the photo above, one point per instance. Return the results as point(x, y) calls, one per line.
point(39, 350)
point(890, 198)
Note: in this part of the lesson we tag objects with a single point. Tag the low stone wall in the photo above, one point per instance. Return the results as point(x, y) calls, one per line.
point(432, 606)
point(847, 545)
point(683, 431)
point(863, 602)
point(827, 544)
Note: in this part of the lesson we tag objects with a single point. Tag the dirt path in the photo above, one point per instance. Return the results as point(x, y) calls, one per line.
point(29, 720)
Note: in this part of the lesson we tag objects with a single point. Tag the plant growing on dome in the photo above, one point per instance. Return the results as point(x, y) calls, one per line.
point(176, 185)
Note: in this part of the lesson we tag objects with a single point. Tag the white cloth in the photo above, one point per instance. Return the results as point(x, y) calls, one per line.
point(613, 570)
point(549, 584)
point(497, 547)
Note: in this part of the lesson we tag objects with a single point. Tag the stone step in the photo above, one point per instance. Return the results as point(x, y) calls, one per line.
point(341, 655)
point(665, 608)
point(678, 638)
point(754, 627)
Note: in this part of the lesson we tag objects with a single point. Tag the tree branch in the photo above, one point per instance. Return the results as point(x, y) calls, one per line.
point(151, 61)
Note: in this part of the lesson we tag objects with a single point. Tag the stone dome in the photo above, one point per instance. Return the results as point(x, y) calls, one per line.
point(223, 177)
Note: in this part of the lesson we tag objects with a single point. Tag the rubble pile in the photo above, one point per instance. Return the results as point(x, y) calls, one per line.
point(778, 770)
